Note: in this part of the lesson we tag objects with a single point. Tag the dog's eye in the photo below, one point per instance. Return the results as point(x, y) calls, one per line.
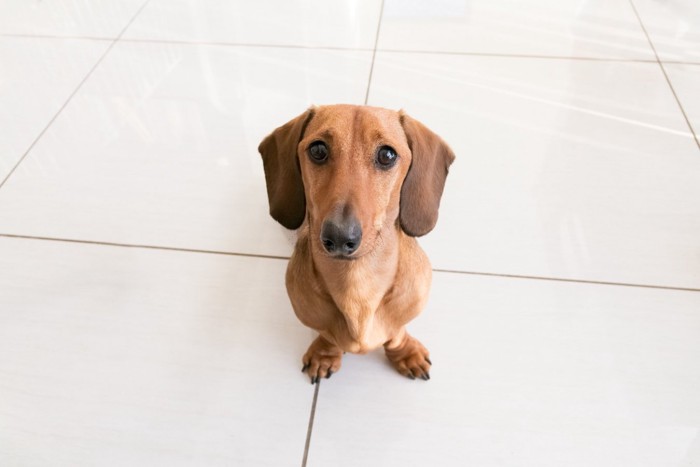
point(318, 151)
point(386, 157)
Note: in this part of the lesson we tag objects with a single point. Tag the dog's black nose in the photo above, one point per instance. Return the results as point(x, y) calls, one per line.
point(341, 237)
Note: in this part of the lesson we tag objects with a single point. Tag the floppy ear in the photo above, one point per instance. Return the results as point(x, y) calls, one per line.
point(422, 188)
point(285, 189)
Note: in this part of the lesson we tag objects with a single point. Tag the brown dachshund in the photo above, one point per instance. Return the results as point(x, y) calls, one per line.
point(361, 182)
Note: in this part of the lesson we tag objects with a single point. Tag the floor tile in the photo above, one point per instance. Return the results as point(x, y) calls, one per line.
point(569, 28)
point(315, 23)
point(574, 161)
point(565, 168)
point(114, 356)
point(526, 373)
point(85, 18)
point(27, 98)
point(686, 82)
point(674, 28)
point(171, 156)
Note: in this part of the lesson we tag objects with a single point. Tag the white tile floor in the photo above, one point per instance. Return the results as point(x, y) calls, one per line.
point(143, 317)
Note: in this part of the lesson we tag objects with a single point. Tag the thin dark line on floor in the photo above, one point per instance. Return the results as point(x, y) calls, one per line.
point(145, 247)
point(285, 258)
point(193, 42)
point(668, 80)
point(56, 36)
point(374, 51)
point(679, 62)
point(348, 49)
point(575, 281)
point(245, 44)
point(505, 55)
point(70, 97)
point(311, 424)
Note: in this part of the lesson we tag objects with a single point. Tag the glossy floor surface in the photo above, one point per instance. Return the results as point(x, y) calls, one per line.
point(143, 315)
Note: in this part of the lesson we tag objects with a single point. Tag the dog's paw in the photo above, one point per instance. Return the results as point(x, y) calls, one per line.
point(321, 360)
point(410, 358)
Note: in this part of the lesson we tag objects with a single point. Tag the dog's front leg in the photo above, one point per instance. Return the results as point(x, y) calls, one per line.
point(322, 359)
point(408, 355)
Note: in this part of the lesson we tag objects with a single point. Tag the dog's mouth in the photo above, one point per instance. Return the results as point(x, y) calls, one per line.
point(340, 256)
point(344, 257)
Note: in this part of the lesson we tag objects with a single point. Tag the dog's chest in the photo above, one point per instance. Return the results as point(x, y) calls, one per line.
point(359, 299)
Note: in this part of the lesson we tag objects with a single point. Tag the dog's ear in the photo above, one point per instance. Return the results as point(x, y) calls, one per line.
point(422, 188)
point(285, 189)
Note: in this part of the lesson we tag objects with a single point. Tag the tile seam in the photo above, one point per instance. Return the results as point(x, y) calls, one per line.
point(69, 99)
point(310, 428)
point(349, 49)
point(374, 51)
point(668, 79)
point(285, 258)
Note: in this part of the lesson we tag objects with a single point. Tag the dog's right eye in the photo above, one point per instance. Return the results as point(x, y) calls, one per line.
point(318, 152)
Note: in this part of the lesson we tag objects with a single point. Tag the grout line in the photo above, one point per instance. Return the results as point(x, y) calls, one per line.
point(505, 55)
point(668, 80)
point(56, 36)
point(285, 258)
point(245, 44)
point(374, 51)
point(679, 62)
point(349, 49)
point(41, 133)
point(191, 42)
point(133, 18)
point(70, 97)
point(574, 281)
point(311, 425)
point(146, 247)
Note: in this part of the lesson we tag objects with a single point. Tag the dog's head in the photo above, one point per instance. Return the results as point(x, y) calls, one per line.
point(353, 171)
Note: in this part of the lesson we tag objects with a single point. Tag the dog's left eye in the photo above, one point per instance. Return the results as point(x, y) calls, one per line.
point(318, 151)
point(386, 157)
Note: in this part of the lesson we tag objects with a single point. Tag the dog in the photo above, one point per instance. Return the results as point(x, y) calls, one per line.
point(360, 183)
